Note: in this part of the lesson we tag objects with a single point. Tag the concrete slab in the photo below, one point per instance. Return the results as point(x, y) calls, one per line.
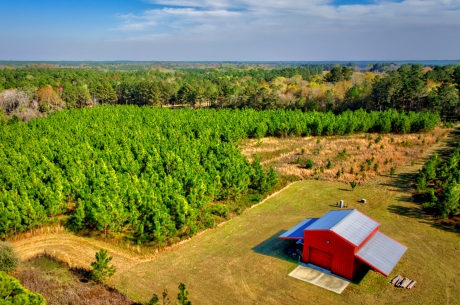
point(320, 277)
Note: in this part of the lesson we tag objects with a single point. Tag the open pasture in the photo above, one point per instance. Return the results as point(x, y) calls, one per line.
point(242, 261)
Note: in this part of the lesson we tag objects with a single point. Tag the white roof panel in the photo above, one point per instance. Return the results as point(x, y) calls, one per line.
point(329, 220)
point(381, 252)
point(355, 227)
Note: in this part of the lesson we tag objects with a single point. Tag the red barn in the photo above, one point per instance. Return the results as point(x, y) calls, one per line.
point(345, 242)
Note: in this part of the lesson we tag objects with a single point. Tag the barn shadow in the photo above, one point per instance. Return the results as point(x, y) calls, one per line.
point(277, 248)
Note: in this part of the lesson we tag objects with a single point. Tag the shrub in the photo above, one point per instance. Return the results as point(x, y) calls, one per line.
point(392, 171)
point(11, 292)
point(309, 163)
point(8, 258)
point(353, 184)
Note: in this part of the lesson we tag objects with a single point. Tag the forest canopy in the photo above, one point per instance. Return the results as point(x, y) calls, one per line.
point(153, 174)
point(323, 87)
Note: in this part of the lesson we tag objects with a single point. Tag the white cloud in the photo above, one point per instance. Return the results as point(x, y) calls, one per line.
point(313, 26)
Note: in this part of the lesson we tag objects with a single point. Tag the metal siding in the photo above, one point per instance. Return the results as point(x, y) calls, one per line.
point(355, 227)
point(342, 252)
point(382, 253)
point(329, 220)
point(320, 258)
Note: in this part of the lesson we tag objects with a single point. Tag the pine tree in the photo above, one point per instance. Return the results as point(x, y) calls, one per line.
point(182, 296)
point(101, 269)
point(11, 292)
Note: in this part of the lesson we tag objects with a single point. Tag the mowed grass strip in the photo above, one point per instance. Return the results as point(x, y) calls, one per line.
point(242, 262)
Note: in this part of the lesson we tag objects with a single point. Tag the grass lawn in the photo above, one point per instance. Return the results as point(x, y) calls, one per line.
point(242, 262)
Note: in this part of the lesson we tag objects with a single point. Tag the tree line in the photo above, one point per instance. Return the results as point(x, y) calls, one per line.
point(306, 87)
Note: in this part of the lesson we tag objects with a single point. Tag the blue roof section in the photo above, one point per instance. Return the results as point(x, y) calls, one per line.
point(296, 232)
point(381, 253)
point(329, 220)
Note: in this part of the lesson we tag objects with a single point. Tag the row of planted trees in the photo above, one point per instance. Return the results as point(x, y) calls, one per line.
point(155, 175)
point(438, 185)
point(152, 174)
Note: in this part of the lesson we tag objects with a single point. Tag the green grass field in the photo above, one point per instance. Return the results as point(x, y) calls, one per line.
point(242, 262)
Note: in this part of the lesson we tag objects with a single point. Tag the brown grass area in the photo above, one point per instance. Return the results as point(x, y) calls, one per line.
point(357, 157)
point(60, 286)
point(75, 250)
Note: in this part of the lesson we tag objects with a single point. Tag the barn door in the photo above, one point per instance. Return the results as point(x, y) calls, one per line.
point(320, 258)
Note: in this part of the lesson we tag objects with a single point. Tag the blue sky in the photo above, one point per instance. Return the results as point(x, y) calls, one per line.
point(229, 30)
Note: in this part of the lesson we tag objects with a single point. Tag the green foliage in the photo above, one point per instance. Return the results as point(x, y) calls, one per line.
point(3, 120)
point(328, 164)
point(8, 258)
point(101, 269)
point(338, 74)
point(12, 293)
point(445, 100)
point(182, 296)
point(392, 171)
point(353, 185)
point(438, 184)
point(149, 173)
point(14, 120)
point(309, 163)
point(154, 300)
point(225, 87)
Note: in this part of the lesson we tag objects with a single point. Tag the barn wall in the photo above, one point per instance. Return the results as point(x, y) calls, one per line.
point(343, 252)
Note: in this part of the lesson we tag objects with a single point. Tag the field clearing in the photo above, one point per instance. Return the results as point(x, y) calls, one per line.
point(242, 262)
point(359, 157)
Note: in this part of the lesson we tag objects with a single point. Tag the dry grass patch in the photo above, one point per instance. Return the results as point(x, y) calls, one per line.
point(358, 157)
point(60, 286)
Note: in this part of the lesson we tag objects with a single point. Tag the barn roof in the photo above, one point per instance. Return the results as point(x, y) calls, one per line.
point(351, 225)
point(296, 232)
point(381, 253)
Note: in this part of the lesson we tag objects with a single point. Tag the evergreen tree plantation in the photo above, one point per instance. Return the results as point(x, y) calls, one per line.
point(151, 174)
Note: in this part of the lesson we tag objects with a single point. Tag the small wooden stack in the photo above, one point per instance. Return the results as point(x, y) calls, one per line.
point(403, 282)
